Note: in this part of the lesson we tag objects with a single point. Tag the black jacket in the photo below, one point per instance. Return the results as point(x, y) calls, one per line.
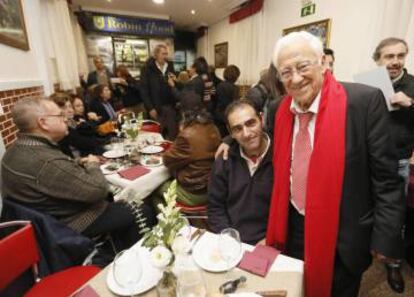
point(155, 91)
point(97, 107)
point(402, 120)
point(227, 92)
point(84, 144)
point(93, 78)
point(130, 94)
point(238, 200)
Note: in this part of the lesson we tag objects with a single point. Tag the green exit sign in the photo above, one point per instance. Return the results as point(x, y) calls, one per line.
point(307, 10)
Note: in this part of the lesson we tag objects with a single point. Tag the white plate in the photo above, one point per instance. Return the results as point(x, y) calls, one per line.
point(149, 161)
point(207, 255)
point(114, 154)
point(150, 277)
point(152, 149)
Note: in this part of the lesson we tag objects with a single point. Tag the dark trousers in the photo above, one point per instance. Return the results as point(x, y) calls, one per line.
point(119, 221)
point(345, 284)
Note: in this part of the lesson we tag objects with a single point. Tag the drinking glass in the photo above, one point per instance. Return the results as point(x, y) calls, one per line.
point(229, 247)
point(127, 269)
point(190, 281)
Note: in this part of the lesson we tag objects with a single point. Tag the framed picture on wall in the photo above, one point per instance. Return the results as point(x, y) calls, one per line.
point(12, 26)
point(221, 55)
point(321, 29)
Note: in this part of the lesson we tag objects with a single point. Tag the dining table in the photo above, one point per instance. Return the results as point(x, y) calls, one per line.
point(144, 185)
point(285, 274)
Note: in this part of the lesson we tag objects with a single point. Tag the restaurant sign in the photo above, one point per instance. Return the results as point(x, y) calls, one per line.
point(125, 25)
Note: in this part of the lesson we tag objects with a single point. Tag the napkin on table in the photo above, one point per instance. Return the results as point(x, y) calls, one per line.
point(133, 172)
point(87, 291)
point(259, 260)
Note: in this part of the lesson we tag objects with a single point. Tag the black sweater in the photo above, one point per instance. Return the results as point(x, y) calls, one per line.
point(238, 200)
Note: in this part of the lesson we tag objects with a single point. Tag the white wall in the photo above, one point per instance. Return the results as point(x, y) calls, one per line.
point(21, 69)
point(357, 27)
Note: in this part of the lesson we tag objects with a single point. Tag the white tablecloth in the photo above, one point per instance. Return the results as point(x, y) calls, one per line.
point(143, 186)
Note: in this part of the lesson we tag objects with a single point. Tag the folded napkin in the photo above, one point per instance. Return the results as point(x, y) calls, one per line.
point(133, 172)
point(259, 261)
point(87, 291)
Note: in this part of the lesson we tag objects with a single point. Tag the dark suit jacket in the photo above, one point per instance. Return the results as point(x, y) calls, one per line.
point(372, 208)
point(93, 78)
point(97, 107)
point(154, 88)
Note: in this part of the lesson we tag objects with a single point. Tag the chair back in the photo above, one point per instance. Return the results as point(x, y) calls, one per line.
point(18, 252)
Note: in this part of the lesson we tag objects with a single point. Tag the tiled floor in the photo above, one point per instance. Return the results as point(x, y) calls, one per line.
point(374, 282)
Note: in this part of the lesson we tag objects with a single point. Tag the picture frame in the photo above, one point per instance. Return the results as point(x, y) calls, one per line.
point(12, 25)
point(321, 29)
point(221, 51)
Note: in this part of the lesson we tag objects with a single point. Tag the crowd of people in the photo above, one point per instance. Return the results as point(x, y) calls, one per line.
point(317, 168)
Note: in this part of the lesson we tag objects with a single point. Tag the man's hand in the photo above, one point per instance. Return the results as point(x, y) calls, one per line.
point(89, 159)
point(382, 258)
point(401, 99)
point(171, 81)
point(153, 114)
point(222, 149)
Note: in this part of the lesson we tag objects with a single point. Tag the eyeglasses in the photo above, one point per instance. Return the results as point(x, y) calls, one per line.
point(61, 115)
point(302, 68)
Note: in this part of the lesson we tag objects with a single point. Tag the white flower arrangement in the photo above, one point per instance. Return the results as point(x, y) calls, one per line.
point(163, 239)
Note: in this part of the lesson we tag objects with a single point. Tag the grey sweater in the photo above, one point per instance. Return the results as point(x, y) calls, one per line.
point(37, 174)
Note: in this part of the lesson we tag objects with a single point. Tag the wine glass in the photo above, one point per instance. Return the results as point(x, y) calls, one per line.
point(127, 269)
point(229, 247)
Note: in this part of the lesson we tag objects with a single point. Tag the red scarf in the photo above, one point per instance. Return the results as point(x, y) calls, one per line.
point(324, 187)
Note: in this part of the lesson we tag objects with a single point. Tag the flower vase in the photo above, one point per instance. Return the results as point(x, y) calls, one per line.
point(167, 285)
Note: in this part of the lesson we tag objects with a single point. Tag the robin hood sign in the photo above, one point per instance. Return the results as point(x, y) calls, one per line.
point(125, 25)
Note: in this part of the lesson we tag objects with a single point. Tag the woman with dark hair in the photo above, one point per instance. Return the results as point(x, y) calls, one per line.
point(101, 104)
point(75, 144)
point(128, 90)
point(191, 156)
point(227, 92)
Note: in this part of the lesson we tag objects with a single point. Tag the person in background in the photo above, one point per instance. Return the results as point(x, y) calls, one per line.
point(156, 93)
point(227, 91)
point(182, 79)
point(214, 78)
point(199, 83)
point(128, 90)
point(329, 59)
point(101, 105)
point(391, 53)
point(266, 95)
point(73, 191)
point(75, 144)
point(337, 197)
point(240, 188)
point(100, 76)
point(190, 157)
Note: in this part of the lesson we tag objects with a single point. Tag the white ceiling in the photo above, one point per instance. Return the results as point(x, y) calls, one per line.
point(208, 12)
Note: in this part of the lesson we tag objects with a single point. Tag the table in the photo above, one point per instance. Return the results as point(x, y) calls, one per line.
point(144, 185)
point(286, 274)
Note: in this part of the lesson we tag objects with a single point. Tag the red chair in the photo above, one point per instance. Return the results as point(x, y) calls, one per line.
point(151, 126)
point(196, 215)
point(18, 253)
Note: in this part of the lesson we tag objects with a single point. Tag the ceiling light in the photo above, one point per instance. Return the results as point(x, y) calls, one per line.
point(158, 1)
point(192, 11)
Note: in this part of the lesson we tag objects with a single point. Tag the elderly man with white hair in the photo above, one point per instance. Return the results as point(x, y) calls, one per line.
point(337, 198)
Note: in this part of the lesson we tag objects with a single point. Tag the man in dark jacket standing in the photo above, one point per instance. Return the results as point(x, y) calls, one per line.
point(156, 93)
point(391, 53)
point(240, 188)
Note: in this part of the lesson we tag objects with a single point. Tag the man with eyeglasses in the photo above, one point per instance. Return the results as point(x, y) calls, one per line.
point(391, 53)
point(38, 175)
point(337, 198)
point(240, 188)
